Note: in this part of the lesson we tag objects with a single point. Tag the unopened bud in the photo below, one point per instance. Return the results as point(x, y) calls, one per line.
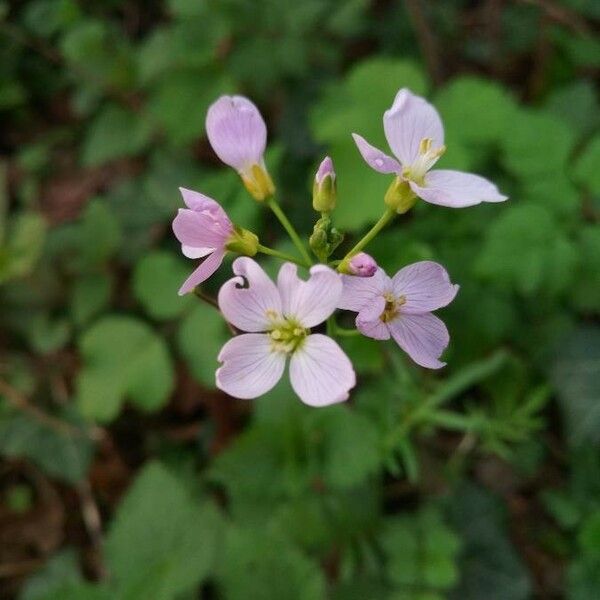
point(324, 187)
point(324, 239)
point(242, 241)
point(399, 196)
point(362, 265)
point(258, 182)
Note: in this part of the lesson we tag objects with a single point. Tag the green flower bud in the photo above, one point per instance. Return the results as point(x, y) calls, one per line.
point(324, 187)
point(399, 196)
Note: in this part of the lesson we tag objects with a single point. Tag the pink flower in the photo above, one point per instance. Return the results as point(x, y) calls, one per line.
point(401, 307)
point(362, 265)
point(238, 135)
point(325, 168)
point(279, 318)
point(324, 188)
point(415, 134)
point(203, 229)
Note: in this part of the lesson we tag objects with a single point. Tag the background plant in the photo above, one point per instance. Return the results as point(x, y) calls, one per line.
point(119, 457)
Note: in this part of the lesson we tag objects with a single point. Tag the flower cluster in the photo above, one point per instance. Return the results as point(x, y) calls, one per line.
point(276, 320)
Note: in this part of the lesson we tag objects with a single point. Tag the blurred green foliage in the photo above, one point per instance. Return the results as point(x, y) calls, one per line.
point(478, 482)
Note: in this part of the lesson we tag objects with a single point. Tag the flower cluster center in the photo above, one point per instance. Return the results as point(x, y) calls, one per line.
point(392, 307)
point(287, 335)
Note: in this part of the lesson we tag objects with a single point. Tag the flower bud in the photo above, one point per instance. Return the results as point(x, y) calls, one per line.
point(362, 265)
point(242, 241)
point(400, 196)
point(324, 239)
point(324, 188)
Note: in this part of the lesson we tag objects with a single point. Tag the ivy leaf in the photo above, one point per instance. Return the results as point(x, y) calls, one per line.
point(122, 359)
point(156, 280)
point(160, 532)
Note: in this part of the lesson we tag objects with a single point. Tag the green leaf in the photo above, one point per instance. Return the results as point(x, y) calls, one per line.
point(577, 105)
point(89, 296)
point(115, 133)
point(421, 552)
point(23, 247)
point(61, 454)
point(123, 359)
point(60, 572)
point(526, 250)
point(539, 144)
point(489, 565)
point(264, 565)
point(586, 287)
point(201, 336)
point(475, 110)
point(575, 376)
point(162, 533)
point(586, 170)
point(357, 104)
point(99, 234)
point(156, 280)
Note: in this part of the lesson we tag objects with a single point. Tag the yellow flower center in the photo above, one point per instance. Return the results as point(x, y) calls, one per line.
point(392, 307)
point(287, 335)
point(428, 156)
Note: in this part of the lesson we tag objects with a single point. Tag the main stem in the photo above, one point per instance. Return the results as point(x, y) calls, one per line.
point(272, 203)
point(387, 216)
point(281, 255)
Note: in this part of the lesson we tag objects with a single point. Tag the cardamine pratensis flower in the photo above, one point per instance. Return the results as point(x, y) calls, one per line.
point(279, 318)
point(362, 265)
point(400, 307)
point(238, 135)
point(205, 231)
point(415, 133)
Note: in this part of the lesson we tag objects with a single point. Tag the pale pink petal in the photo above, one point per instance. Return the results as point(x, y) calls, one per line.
point(236, 131)
point(312, 301)
point(250, 366)
point(456, 189)
point(209, 265)
point(202, 203)
point(368, 320)
point(251, 300)
point(375, 158)
point(198, 230)
point(192, 252)
point(423, 337)
point(325, 168)
point(320, 372)
point(359, 291)
point(410, 120)
point(425, 286)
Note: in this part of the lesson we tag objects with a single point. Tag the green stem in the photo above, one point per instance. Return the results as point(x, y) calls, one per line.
point(290, 230)
point(281, 255)
point(387, 216)
point(341, 331)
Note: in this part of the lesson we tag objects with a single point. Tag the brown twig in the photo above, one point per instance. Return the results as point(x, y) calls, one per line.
point(426, 38)
point(562, 15)
point(20, 402)
point(93, 524)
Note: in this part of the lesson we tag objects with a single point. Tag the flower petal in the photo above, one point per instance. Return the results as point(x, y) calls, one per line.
point(358, 291)
point(409, 120)
point(202, 203)
point(375, 158)
point(368, 320)
point(312, 301)
point(425, 286)
point(198, 230)
point(250, 366)
point(320, 372)
point(209, 265)
point(457, 189)
point(423, 337)
point(236, 131)
point(192, 252)
point(251, 300)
